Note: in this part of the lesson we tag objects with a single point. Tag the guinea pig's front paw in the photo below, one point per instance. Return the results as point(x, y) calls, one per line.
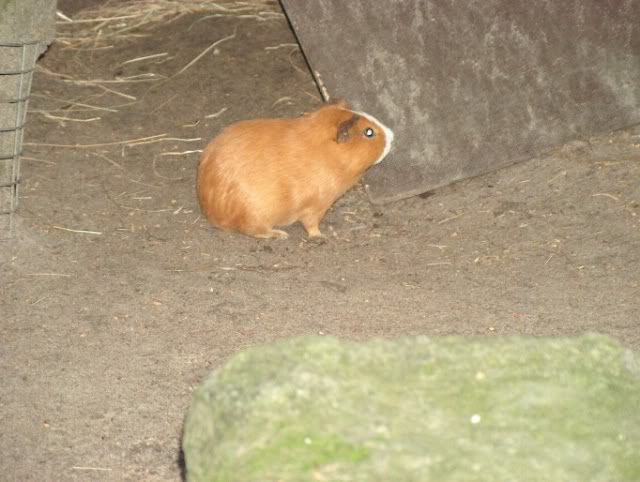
point(316, 238)
point(314, 232)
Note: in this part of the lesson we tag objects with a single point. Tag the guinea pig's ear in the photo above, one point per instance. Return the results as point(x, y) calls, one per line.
point(345, 129)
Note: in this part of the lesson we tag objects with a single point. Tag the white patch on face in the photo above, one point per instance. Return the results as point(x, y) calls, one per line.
point(388, 134)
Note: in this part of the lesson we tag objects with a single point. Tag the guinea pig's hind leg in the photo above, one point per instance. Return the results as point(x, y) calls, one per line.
point(269, 233)
point(278, 234)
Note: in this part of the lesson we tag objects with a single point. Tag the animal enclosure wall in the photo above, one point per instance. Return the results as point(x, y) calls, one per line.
point(470, 87)
point(26, 28)
point(16, 67)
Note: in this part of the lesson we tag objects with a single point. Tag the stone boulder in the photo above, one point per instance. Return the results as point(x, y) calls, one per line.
point(419, 409)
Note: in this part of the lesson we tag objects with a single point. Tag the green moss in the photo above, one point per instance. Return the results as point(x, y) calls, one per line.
point(415, 409)
point(303, 453)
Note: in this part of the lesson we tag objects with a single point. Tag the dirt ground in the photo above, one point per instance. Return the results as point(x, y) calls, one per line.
point(117, 298)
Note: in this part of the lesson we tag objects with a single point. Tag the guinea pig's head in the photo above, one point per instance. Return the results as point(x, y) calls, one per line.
point(362, 138)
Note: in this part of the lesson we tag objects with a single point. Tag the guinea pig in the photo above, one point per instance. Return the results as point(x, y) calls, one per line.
point(258, 174)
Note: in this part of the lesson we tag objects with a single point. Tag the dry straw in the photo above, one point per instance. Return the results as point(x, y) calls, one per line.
point(101, 27)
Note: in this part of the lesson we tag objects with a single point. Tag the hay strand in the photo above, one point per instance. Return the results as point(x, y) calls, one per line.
point(183, 153)
point(610, 196)
point(70, 102)
point(220, 112)
point(79, 231)
point(115, 92)
point(114, 21)
point(146, 57)
point(276, 47)
point(103, 144)
point(204, 52)
point(63, 16)
point(70, 119)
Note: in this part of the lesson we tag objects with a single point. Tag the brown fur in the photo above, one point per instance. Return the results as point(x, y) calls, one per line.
point(262, 173)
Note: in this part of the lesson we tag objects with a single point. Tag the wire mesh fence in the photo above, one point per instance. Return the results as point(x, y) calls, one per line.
point(17, 61)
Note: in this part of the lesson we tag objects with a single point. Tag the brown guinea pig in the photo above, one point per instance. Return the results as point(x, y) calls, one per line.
point(262, 173)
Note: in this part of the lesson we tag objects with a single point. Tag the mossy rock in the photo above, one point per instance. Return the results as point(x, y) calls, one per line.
point(419, 409)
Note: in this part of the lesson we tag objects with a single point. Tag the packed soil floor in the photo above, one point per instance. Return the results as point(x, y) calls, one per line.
point(117, 297)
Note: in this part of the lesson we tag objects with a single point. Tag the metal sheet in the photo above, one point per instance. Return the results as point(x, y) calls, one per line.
point(470, 87)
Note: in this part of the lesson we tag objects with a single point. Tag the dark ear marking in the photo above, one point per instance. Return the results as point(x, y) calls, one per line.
point(344, 129)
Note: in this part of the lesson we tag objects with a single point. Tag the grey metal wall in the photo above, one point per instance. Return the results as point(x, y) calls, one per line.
point(472, 86)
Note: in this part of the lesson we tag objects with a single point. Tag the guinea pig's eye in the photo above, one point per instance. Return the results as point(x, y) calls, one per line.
point(369, 132)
